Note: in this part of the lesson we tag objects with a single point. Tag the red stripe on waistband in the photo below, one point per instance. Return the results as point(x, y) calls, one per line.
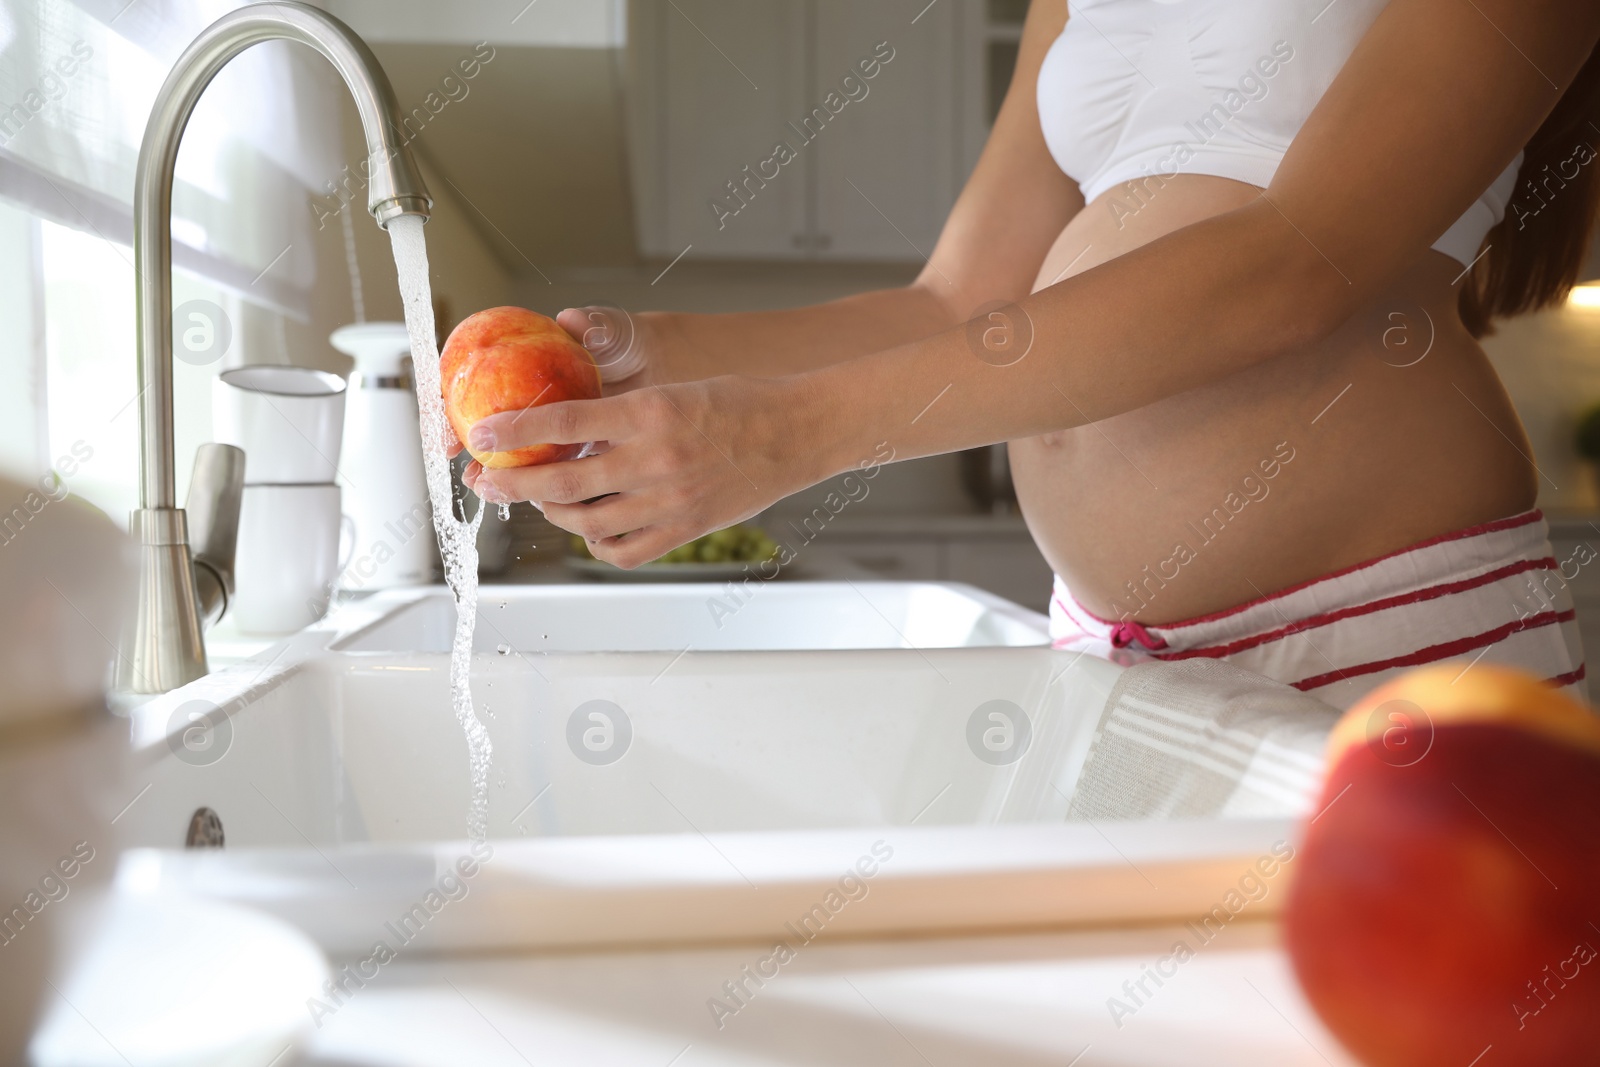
point(1569, 678)
point(1311, 622)
point(1437, 652)
point(1509, 523)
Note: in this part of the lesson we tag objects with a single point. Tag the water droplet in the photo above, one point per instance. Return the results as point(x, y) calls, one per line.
point(504, 650)
point(505, 512)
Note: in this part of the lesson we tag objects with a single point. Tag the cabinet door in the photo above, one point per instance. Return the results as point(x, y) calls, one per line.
point(887, 164)
point(726, 83)
point(1009, 567)
point(897, 560)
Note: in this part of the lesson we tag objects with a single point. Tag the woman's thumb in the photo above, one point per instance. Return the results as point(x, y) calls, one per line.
point(610, 336)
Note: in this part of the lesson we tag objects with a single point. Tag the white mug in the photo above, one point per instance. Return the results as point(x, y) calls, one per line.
point(288, 420)
point(288, 556)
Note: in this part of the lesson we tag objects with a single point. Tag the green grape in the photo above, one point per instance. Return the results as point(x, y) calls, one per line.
point(739, 543)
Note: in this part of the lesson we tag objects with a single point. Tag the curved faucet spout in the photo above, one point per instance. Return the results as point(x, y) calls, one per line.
point(163, 649)
point(396, 187)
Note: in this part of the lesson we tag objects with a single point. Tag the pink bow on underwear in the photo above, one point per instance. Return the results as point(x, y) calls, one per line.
point(1126, 632)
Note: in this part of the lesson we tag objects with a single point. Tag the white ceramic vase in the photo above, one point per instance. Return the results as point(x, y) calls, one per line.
point(385, 489)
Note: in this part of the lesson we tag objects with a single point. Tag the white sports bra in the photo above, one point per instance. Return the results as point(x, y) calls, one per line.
point(1141, 88)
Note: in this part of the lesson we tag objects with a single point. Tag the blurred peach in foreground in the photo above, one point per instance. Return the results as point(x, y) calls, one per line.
point(508, 359)
point(1448, 888)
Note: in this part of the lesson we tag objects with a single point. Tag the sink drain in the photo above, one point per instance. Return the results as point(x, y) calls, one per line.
point(205, 830)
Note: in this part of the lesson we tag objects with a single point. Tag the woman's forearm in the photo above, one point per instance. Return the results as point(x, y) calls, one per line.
point(1174, 315)
point(1183, 311)
point(771, 344)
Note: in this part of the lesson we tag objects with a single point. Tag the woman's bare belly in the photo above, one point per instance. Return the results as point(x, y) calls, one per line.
point(1392, 430)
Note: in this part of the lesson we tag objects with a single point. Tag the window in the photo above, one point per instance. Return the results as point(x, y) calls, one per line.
point(91, 385)
point(77, 81)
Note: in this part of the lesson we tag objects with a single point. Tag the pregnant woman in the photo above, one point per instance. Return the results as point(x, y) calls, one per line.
point(1217, 279)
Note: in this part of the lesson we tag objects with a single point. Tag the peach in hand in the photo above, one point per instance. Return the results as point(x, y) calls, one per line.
point(508, 359)
point(1449, 886)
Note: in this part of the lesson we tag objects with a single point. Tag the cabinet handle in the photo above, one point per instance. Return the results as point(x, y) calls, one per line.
point(824, 241)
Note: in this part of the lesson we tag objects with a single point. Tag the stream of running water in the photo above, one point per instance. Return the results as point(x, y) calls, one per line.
point(458, 541)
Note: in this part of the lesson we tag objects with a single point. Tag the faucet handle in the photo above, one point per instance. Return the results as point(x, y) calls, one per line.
point(216, 490)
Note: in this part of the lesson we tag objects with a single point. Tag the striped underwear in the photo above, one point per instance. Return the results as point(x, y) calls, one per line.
point(1491, 593)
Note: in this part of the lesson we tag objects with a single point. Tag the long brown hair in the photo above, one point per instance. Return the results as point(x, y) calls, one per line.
point(1537, 251)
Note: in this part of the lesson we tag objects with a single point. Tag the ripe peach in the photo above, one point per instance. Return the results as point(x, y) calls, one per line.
point(1449, 885)
point(507, 359)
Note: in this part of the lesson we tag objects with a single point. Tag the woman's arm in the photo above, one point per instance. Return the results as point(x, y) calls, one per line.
point(1434, 102)
point(990, 249)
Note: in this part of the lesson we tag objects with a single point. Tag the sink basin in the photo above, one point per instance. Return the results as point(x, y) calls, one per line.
point(763, 617)
point(656, 776)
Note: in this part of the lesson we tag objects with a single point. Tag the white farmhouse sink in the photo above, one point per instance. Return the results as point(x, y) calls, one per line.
point(758, 617)
point(653, 779)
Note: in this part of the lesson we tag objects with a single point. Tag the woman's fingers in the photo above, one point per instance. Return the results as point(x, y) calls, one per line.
point(613, 517)
point(571, 482)
point(565, 422)
point(689, 458)
point(642, 546)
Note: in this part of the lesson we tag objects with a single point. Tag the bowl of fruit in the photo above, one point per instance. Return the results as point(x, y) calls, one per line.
point(719, 556)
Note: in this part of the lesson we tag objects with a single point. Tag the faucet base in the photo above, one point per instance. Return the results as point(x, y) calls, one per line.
point(163, 648)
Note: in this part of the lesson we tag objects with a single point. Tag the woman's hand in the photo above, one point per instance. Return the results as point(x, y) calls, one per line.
point(625, 347)
point(682, 460)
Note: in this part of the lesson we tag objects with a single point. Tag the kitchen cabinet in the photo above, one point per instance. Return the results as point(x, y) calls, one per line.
point(995, 553)
point(714, 84)
point(888, 170)
point(800, 129)
point(1006, 565)
point(992, 552)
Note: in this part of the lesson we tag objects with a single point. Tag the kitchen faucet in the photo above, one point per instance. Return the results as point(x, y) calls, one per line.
point(178, 590)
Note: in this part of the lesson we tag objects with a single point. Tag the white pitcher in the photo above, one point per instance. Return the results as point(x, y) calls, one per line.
point(385, 489)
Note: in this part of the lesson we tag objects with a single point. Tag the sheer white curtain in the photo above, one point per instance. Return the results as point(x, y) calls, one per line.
point(77, 81)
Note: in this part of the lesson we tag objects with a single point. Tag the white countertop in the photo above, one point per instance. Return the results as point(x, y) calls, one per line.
point(1025, 1000)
